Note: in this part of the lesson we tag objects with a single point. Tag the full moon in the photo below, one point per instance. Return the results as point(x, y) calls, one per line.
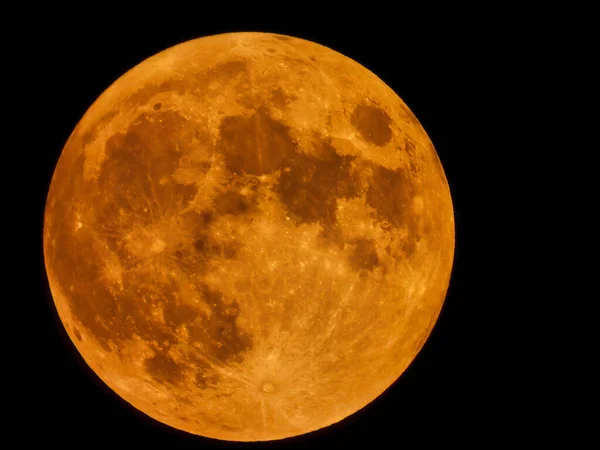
point(248, 236)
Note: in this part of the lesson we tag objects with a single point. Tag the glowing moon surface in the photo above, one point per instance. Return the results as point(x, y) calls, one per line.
point(249, 236)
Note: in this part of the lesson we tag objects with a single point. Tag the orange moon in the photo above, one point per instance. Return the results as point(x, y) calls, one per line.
point(249, 236)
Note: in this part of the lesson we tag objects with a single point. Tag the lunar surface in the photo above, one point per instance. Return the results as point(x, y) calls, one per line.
point(249, 236)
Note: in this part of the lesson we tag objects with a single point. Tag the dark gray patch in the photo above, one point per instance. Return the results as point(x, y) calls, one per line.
point(90, 300)
point(157, 106)
point(74, 258)
point(364, 255)
point(229, 428)
point(136, 162)
point(279, 98)
point(186, 256)
point(427, 227)
point(231, 249)
point(177, 314)
point(162, 368)
point(256, 145)
point(207, 248)
point(202, 243)
point(231, 202)
point(129, 194)
point(372, 123)
point(204, 380)
point(207, 217)
point(390, 193)
point(224, 71)
point(309, 186)
point(411, 150)
point(412, 166)
point(205, 375)
point(409, 147)
point(324, 151)
point(134, 306)
point(77, 334)
point(409, 245)
point(193, 222)
point(300, 63)
point(225, 339)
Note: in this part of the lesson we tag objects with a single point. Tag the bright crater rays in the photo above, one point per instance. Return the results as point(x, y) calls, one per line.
point(249, 236)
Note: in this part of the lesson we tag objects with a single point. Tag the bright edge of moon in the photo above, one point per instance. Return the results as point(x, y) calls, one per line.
point(248, 236)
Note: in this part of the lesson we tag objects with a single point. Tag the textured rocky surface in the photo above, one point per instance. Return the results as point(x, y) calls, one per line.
point(249, 236)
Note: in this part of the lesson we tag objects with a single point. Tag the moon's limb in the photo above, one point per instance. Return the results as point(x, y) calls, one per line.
point(241, 225)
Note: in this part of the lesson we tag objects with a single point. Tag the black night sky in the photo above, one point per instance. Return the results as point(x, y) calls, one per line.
point(442, 74)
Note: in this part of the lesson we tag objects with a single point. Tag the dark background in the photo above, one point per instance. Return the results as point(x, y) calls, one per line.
point(445, 72)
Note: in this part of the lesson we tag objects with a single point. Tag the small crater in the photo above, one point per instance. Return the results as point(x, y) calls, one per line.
point(282, 37)
point(77, 334)
point(372, 123)
point(157, 106)
point(268, 387)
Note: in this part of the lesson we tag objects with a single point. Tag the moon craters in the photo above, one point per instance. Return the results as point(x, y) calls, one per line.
point(268, 387)
point(232, 234)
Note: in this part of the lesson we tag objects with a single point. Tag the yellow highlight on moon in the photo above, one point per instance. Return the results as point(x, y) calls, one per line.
point(248, 236)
